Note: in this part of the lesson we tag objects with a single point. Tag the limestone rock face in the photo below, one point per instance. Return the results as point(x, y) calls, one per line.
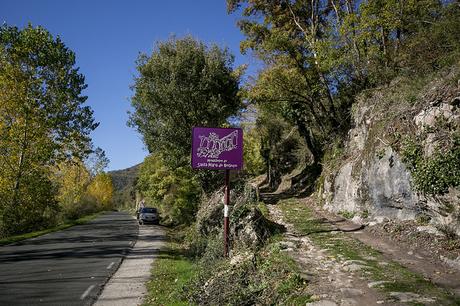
point(389, 187)
point(371, 179)
point(382, 186)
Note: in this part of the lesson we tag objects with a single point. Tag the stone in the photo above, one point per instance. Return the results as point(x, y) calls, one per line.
point(322, 303)
point(239, 258)
point(372, 176)
point(354, 268)
point(354, 261)
point(430, 230)
point(351, 292)
point(377, 284)
point(287, 245)
point(410, 297)
point(454, 263)
point(349, 302)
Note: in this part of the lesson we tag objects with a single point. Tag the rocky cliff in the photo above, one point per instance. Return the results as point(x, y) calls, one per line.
point(401, 157)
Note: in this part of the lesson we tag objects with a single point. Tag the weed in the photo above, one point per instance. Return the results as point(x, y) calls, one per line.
point(170, 273)
point(423, 219)
point(347, 214)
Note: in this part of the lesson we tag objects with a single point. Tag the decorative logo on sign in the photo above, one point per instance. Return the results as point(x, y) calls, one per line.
point(212, 146)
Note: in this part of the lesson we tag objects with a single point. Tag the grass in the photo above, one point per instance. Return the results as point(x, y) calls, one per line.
point(281, 276)
point(17, 238)
point(301, 217)
point(263, 209)
point(344, 247)
point(171, 271)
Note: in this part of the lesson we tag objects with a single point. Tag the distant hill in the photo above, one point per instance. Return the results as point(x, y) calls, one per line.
point(124, 182)
point(125, 177)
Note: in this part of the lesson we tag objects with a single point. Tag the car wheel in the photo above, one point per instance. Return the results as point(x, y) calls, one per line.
point(140, 222)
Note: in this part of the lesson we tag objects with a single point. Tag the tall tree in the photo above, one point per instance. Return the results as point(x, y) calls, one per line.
point(43, 117)
point(182, 84)
point(101, 189)
point(320, 53)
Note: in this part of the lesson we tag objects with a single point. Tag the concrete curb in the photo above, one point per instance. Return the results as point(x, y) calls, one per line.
point(128, 285)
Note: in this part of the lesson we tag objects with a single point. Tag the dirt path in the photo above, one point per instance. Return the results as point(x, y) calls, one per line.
point(331, 282)
point(349, 265)
point(415, 260)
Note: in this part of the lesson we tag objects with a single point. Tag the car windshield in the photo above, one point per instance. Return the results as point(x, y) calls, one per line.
point(148, 210)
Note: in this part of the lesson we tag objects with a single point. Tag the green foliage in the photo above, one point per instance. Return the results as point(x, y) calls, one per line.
point(347, 214)
point(175, 191)
point(181, 85)
point(320, 54)
point(43, 120)
point(254, 164)
point(434, 174)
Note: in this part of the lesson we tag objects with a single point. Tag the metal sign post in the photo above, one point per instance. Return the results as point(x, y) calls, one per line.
point(219, 149)
point(226, 219)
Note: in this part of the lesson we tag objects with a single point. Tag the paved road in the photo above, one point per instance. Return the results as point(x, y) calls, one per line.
point(68, 267)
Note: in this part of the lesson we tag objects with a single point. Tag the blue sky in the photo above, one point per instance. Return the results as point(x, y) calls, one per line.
point(107, 37)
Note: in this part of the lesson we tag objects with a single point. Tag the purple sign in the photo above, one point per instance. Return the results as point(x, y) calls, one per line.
point(216, 148)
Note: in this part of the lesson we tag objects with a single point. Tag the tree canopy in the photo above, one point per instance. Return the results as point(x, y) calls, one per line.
point(182, 84)
point(43, 120)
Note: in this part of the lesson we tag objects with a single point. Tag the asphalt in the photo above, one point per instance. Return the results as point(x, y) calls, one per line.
point(69, 267)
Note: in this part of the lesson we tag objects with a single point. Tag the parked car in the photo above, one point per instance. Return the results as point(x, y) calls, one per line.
point(148, 215)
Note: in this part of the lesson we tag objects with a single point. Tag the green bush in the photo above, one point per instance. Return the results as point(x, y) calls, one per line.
point(435, 174)
point(175, 192)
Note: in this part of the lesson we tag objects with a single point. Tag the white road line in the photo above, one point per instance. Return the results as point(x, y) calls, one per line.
point(85, 294)
point(110, 266)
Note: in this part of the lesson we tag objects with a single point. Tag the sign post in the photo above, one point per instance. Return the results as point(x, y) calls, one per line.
point(219, 149)
point(226, 208)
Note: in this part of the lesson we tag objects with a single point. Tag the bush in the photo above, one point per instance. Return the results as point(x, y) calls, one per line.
point(435, 174)
point(175, 192)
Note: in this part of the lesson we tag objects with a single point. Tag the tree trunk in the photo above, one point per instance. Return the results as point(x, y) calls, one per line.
point(17, 182)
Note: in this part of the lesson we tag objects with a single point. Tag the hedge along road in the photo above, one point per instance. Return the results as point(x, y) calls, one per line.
point(69, 267)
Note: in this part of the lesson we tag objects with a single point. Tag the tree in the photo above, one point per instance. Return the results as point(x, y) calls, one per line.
point(175, 191)
point(182, 84)
point(101, 189)
point(320, 53)
point(43, 119)
point(72, 178)
point(97, 161)
point(253, 161)
point(289, 36)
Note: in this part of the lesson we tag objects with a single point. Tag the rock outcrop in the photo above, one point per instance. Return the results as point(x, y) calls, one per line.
point(248, 226)
point(371, 179)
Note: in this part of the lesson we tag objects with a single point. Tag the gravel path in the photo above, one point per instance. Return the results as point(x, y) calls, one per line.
point(332, 281)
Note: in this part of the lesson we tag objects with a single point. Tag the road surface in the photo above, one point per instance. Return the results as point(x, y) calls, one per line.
point(69, 267)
